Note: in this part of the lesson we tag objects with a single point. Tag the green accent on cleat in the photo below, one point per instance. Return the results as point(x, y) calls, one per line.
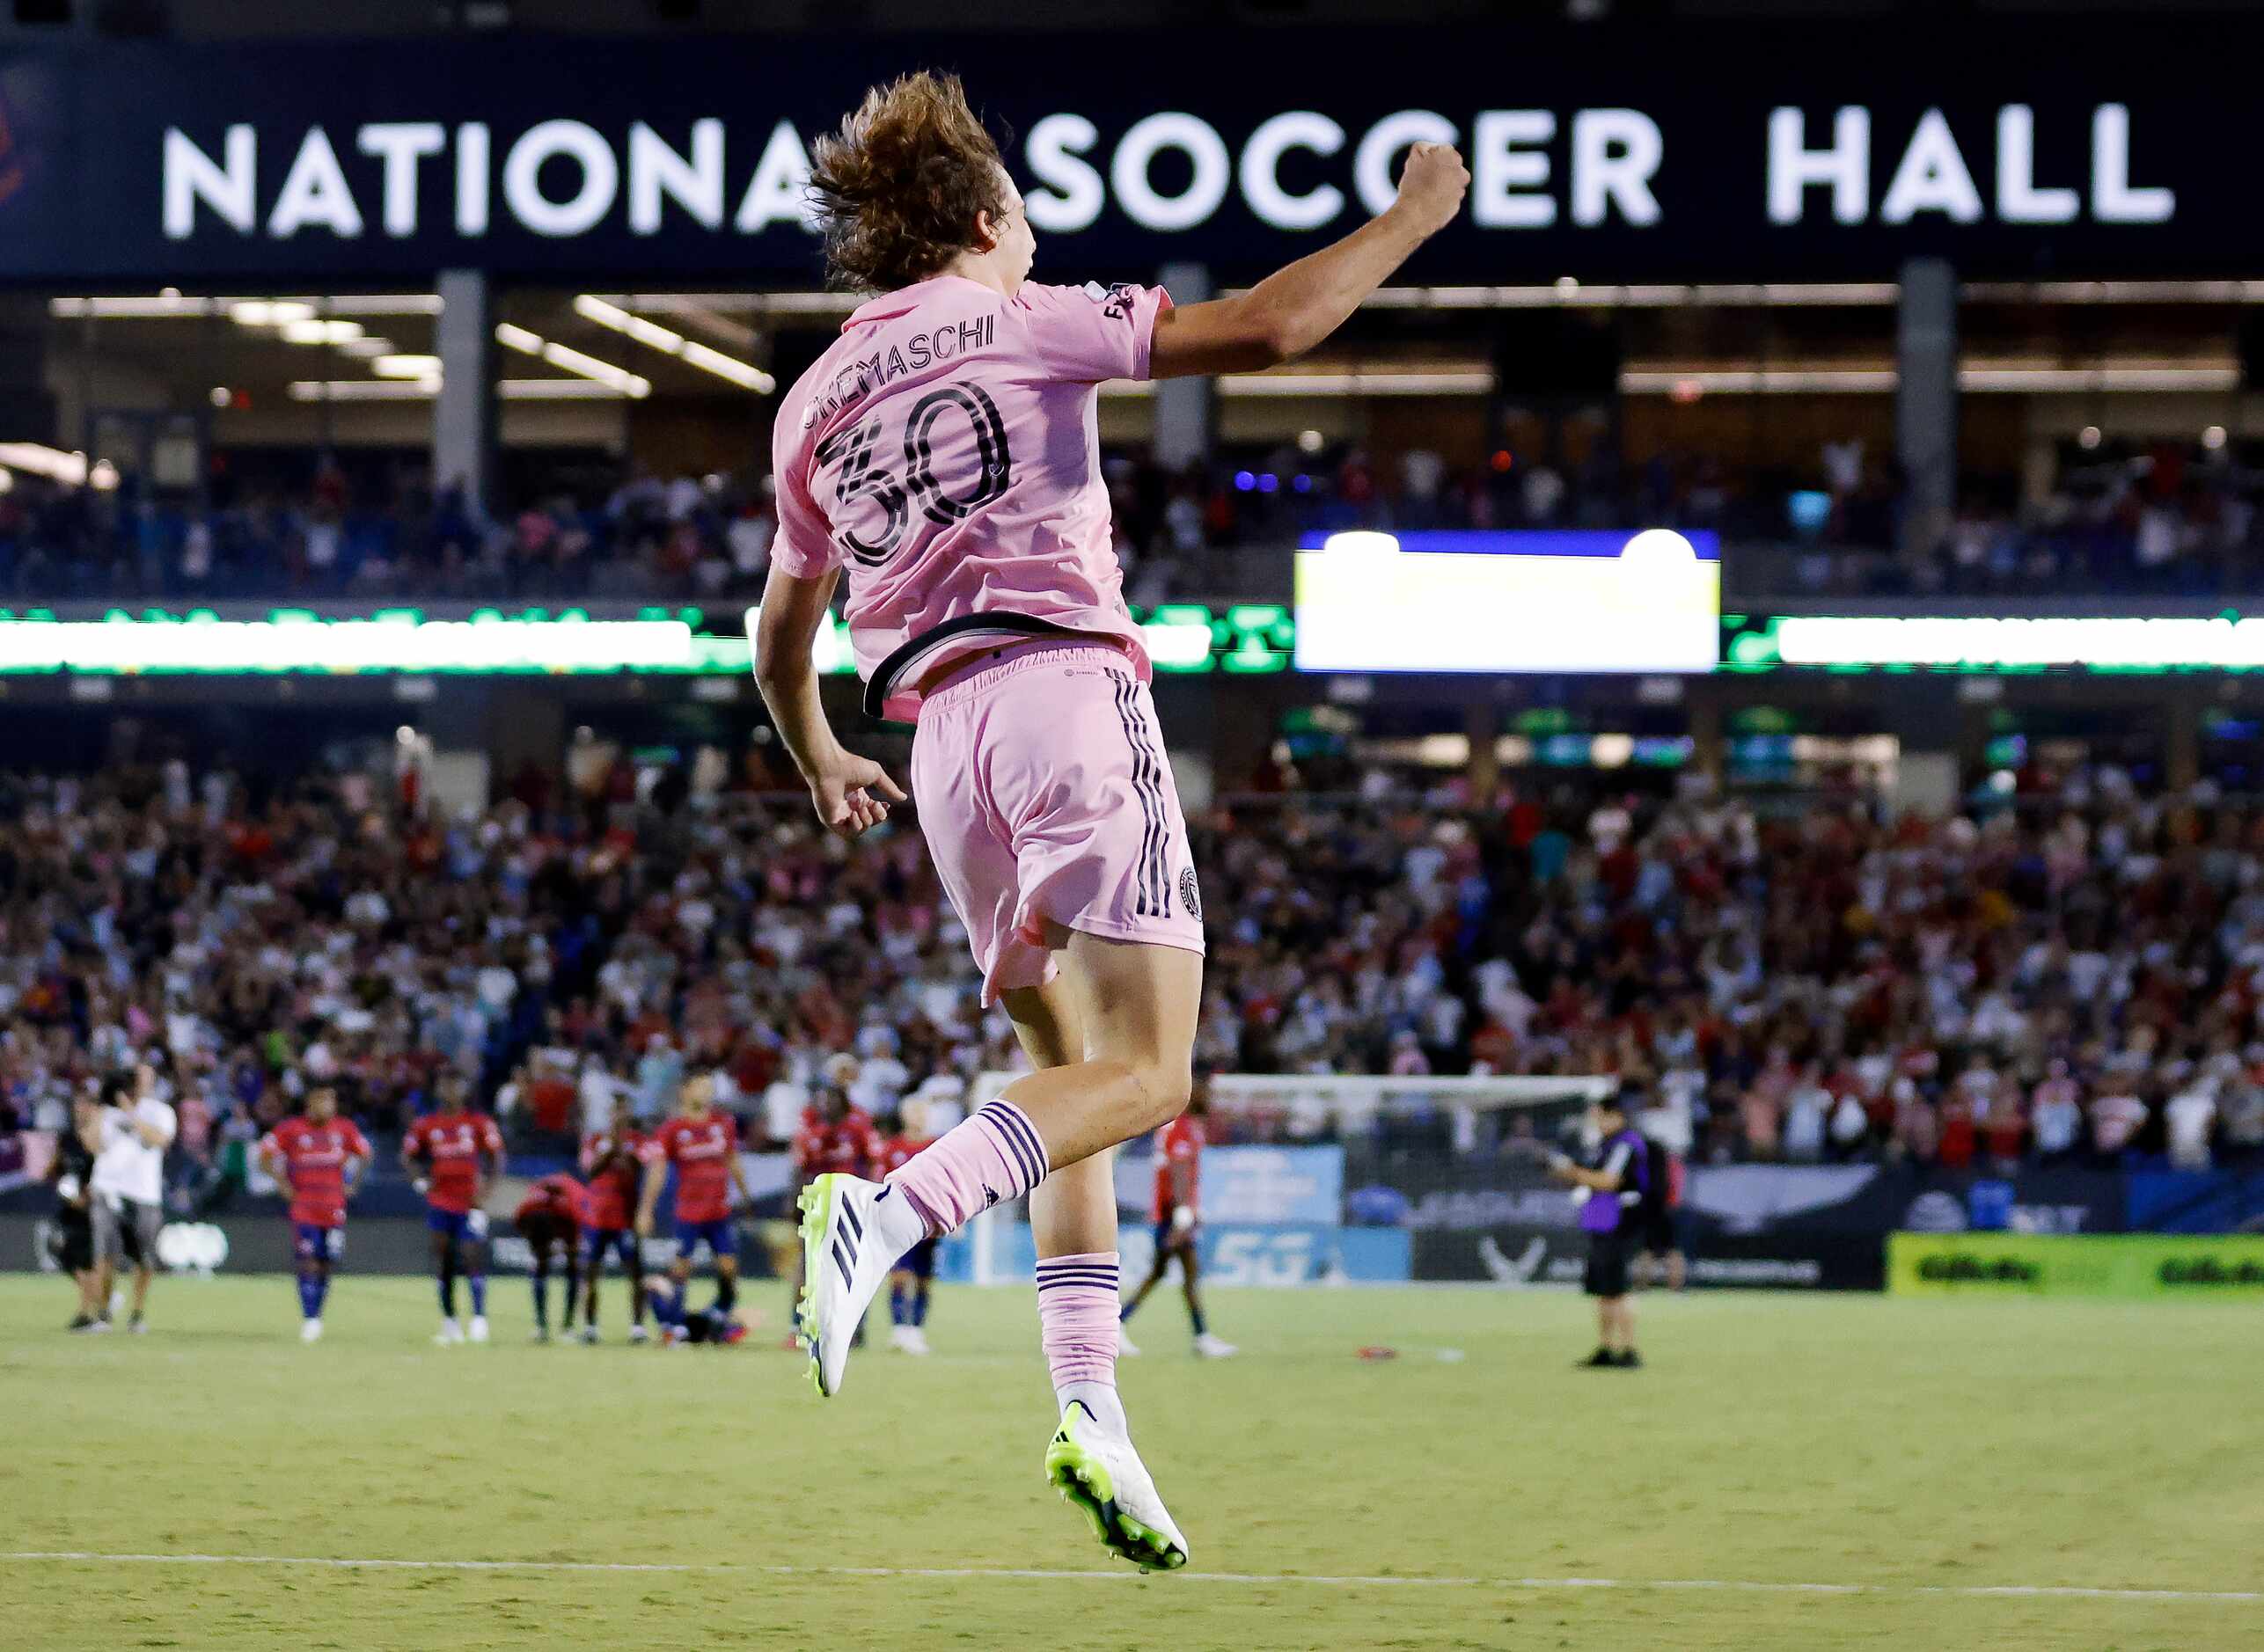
point(816, 1203)
point(1083, 1480)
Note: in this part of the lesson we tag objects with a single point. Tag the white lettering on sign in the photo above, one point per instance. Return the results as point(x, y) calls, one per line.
point(593, 197)
point(1260, 178)
point(695, 182)
point(1194, 137)
point(227, 187)
point(1932, 175)
point(1074, 193)
point(1531, 169)
point(779, 192)
point(316, 192)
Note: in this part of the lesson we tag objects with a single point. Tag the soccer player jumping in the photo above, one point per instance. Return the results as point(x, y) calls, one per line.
point(943, 454)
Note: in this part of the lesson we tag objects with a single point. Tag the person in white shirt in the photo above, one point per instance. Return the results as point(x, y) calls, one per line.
point(129, 1137)
point(2190, 1118)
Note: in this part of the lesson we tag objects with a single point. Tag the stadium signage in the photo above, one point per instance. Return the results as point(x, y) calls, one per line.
point(1718, 151)
point(2149, 1265)
point(2224, 642)
point(1249, 638)
point(1509, 601)
point(1530, 169)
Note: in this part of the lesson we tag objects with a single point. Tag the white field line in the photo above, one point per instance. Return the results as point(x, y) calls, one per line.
point(2045, 1591)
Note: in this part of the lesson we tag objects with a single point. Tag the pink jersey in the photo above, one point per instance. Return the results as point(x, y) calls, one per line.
point(945, 453)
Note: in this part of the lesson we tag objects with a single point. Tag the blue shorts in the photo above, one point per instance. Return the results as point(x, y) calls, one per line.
point(919, 1261)
point(312, 1244)
point(597, 1241)
point(1166, 1244)
point(716, 1235)
point(459, 1225)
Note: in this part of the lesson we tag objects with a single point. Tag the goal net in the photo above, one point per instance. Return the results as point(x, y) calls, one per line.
point(1335, 1178)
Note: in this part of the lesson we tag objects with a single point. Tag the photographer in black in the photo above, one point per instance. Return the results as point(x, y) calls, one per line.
point(70, 1239)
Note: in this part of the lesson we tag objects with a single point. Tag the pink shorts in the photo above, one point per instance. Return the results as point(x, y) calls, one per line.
point(1044, 793)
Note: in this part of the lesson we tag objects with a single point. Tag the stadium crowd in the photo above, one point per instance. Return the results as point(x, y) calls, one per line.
point(2076, 983)
point(2162, 522)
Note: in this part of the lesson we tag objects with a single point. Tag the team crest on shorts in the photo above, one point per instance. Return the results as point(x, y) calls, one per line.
point(1191, 896)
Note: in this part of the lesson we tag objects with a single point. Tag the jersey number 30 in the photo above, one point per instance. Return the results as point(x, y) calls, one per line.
point(856, 445)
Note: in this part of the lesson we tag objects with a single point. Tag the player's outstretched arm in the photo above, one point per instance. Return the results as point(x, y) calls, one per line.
point(649, 1199)
point(786, 674)
point(1295, 308)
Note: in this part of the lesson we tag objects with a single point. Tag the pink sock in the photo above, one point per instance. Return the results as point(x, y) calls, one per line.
point(982, 1161)
point(1077, 1305)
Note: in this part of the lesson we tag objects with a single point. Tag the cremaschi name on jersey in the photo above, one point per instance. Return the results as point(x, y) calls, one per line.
point(857, 379)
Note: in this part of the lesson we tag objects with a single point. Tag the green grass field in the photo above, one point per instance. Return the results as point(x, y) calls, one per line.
point(1922, 1452)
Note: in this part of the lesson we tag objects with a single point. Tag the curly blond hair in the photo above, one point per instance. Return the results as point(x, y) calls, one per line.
point(896, 190)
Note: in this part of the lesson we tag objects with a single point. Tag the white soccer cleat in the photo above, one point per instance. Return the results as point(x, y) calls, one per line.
point(899, 1338)
point(1126, 1348)
point(1101, 1474)
point(637, 1333)
point(451, 1334)
point(1208, 1347)
point(589, 1334)
point(915, 1340)
point(844, 1262)
point(479, 1328)
point(310, 1331)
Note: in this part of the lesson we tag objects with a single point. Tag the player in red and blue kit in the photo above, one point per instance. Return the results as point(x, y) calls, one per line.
point(319, 1156)
point(451, 1153)
point(914, 1273)
point(702, 1145)
point(550, 1219)
point(1178, 1161)
point(613, 1161)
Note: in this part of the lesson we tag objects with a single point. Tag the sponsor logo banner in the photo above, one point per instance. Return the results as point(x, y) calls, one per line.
point(1522, 1256)
point(1229, 1254)
point(1250, 1184)
point(2129, 1265)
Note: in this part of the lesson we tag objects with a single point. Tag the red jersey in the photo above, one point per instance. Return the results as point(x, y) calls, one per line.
point(555, 1198)
point(614, 1166)
point(314, 1165)
point(450, 1144)
point(896, 1152)
point(702, 1150)
point(849, 1145)
point(1178, 1143)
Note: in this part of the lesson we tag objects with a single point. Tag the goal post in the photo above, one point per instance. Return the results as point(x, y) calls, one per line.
point(1320, 1178)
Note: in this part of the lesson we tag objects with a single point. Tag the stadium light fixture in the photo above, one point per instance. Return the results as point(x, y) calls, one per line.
point(320, 332)
point(1454, 380)
point(269, 312)
point(1688, 383)
point(620, 380)
point(173, 304)
point(428, 387)
point(406, 367)
point(362, 390)
point(607, 314)
point(37, 459)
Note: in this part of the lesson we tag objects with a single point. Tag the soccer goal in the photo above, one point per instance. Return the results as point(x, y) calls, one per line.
point(1320, 1178)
